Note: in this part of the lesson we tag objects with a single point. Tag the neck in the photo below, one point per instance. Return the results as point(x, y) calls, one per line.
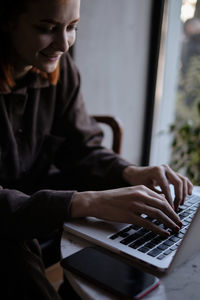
point(21, 72)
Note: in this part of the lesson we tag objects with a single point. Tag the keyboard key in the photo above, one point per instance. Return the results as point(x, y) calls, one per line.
point(135, 227)
point(141, 241)
point(130, 238)
point(134, 245)
point(183, 207)
point(150, 245)
point(174, 247)
point(143, 249)
point(156, 222)
point(183, 230)
point(174, 239)
point(158, 240)
point(142, 231)
point(168, 243)
point(186, 213)
point(162, 247)
point(182, 216)
point(180, 209)
point(190, 211)
point(137, 243)
point(161, 256)
point(167, 252)
point(185, 222)
point(129, 227)
point(193, 208)
point(192, 199)
point(123, 234)
point(150, 235)
point(125, 230)
point(179, 235)
point(114, 236)
point(155, 252)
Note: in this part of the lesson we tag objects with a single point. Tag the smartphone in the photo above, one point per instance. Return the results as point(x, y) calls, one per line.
point(110, 273)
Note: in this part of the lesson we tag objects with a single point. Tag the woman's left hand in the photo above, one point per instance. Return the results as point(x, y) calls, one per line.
point(161, 176)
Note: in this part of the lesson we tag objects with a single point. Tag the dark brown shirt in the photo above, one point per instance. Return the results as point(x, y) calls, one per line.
point(43, 125)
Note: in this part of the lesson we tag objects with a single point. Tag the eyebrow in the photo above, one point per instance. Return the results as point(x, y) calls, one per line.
point(55, 22)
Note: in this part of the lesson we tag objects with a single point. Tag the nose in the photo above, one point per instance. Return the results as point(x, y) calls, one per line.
point(61, 42)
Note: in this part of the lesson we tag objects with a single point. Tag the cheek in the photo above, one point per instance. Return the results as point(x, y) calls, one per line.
point(31, 44)
point(41, 42)
point(72, 38)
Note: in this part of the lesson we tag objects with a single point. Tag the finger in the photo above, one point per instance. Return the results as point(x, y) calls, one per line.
point(190, 187)
point(173, 223)
point(178, 201)
point(162, 205)
point(151, 226)
point(185, 190)
point(153, 194)
point(164, 185)
point(153, 188)
point(177, 181)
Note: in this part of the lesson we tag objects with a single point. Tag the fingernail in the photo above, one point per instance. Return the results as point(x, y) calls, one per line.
point(167, 233)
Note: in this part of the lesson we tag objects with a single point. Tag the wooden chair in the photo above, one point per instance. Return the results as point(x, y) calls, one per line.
point(51, 246)
point(116, 127)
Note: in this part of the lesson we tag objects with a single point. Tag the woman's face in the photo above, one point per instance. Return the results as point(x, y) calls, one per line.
point(43, 33)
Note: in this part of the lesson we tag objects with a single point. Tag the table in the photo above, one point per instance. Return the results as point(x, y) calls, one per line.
point(182, 284)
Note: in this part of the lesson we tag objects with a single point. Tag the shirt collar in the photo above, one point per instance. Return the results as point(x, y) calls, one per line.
point(31, 80)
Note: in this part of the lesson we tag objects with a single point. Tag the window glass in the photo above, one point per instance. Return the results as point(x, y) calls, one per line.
point(185, 155)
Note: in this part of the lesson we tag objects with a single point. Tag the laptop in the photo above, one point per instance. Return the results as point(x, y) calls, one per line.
point(142, 246)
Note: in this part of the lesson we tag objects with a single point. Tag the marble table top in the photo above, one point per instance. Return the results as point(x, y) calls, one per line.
point(183, 283)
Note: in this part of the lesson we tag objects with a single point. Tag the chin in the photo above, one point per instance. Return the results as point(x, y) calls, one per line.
point(48, 68)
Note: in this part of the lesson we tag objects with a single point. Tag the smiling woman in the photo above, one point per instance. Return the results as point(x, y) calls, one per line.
point(48, 30)
point(44, 126)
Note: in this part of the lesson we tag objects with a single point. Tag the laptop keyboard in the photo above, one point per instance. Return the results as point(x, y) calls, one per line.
point(152, 244)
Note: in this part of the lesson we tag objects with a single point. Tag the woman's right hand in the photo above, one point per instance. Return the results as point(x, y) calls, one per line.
point(127, 205)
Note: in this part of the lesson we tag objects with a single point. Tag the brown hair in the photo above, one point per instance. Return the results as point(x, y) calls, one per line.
point(10, 10)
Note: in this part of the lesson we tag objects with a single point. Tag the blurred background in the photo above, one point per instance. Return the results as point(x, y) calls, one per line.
point(139, 61)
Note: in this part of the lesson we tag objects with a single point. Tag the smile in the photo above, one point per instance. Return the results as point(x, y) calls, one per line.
point(51, 57)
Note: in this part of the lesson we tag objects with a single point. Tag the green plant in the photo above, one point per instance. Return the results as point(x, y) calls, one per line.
point(186, 148)
point(188, 95)
point(185, 156)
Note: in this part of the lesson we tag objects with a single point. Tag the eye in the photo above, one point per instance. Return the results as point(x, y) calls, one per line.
point(47, 29)
point(72, 27)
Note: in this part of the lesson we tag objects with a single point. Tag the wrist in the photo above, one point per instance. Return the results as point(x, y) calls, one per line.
point(83, 204)
point(129, 174)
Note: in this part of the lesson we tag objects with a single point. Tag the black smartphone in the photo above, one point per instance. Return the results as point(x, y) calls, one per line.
point(110, 273)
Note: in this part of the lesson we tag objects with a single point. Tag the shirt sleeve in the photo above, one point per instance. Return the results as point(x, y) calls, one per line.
point(82, 157)
point(24, 217)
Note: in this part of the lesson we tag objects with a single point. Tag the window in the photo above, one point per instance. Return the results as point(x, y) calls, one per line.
point(178, 78)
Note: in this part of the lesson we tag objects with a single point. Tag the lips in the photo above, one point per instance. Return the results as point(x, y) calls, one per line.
point(51, 57)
